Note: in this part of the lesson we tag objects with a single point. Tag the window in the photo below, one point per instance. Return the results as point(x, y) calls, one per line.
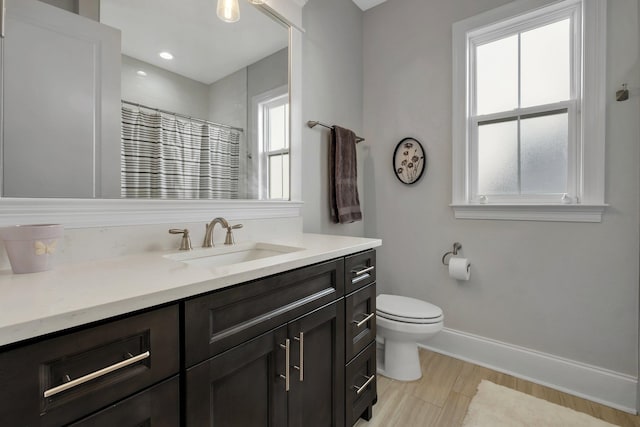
point(274, 147)
point(528, 118)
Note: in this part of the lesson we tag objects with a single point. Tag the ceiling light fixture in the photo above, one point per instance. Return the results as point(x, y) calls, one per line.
point(228, 10)
point(166, 55)
point(141, 73)
point(256, 1)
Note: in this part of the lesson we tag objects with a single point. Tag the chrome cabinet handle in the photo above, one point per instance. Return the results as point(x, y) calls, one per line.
point(363, 321)
point(97, 374)
point(361, 274)
point(364, 386)
point(287, 347)
point(300, 368)
point(364, 270)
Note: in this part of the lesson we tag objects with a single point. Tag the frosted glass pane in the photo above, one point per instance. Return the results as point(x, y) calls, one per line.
point(278, 127)
point(546, 64)
point(498, 158)
point(497, 76)
point(279, 177)
point(544, 151)
point(285, 176)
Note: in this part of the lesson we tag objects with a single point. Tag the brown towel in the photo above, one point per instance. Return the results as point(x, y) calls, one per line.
point(343, 177)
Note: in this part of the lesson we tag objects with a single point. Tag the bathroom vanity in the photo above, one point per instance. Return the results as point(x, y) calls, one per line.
point(287, 340)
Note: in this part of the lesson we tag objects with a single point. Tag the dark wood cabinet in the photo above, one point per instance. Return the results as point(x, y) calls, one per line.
point(316, 395)
point(157, 407)
point(361, 320)
point(360, 348)
point(360, 385)
point(59, 380)
point(282, 351)
point(221, 320)
point(360, 270)
point(252, 384)
point(240, 387)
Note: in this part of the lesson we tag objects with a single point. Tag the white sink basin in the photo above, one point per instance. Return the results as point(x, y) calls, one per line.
point(221, 256)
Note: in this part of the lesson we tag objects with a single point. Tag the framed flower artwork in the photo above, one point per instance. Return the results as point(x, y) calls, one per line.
point(409, 160)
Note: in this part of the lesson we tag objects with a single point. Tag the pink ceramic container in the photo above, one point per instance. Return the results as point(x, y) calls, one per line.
point(31, 247)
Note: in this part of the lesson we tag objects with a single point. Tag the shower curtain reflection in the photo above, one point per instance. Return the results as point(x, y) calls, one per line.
point(166, 157)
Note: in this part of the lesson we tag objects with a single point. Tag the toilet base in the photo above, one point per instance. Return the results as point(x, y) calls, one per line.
point(400, 361)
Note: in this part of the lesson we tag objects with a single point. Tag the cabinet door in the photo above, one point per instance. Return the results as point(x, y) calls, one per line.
point(360, 270)
point(158, 406)
point(224, 319)
point(240, 387)
point(360, 385)
point(361, 320)
point(316, 397)
point(62, 379)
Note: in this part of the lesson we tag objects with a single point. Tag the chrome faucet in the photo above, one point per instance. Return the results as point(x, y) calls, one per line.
point(208, 235)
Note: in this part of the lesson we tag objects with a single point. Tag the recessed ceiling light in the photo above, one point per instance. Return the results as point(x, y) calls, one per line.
point(165, 55)
point(141, 73)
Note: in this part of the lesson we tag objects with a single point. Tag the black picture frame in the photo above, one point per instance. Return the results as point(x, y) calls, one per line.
point(409, 161)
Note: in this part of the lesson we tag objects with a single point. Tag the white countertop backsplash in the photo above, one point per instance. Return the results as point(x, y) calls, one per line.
point(94, 282)
point(87, 244)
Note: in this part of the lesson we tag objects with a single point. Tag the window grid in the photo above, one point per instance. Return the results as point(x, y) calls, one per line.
point(570, 106)
point(268, 153)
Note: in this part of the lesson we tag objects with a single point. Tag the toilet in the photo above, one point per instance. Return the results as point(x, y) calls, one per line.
point(401, 323)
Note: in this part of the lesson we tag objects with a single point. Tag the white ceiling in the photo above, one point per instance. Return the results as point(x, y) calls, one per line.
point(205, 48)
point(367, 4)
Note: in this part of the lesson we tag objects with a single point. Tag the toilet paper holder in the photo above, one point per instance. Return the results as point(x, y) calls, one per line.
point(456, 247)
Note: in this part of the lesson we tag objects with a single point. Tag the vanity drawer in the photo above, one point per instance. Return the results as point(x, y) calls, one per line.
point(360, 270)
point(62, 379)
point(361, 320)
point(221, 320)
point(361, 385)
point(158, 406)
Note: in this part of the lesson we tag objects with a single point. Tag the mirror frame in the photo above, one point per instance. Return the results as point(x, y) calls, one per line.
point(85, 213)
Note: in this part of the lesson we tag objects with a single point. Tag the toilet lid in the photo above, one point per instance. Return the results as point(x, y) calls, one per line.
point(407, 309)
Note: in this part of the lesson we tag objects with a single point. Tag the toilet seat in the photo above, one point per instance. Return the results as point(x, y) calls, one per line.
point(407, 310)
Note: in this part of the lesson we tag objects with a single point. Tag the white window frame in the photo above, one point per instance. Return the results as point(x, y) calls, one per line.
point(585, 199)
point(261, 104)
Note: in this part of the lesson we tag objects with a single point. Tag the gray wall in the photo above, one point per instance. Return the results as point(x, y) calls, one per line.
point(163, 89)
point(230, 101)
point(567, 289)
point(332, 93)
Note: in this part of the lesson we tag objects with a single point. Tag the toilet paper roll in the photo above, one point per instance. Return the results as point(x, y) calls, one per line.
point(459, 268)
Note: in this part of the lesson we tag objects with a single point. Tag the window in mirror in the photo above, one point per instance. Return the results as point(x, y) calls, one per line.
point(274, 147)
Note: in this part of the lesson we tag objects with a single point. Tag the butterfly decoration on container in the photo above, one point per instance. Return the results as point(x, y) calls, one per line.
point(42, 248)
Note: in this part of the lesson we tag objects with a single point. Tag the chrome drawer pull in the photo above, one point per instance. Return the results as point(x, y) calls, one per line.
point(364, 270)
point(359, 279)
point(301, 367)
point(363, 321)
point(97, 374)
point(364, 386)
point(287, 347)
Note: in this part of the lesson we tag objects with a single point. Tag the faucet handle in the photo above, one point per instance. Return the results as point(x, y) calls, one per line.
point(185, 244)
point(229, 240)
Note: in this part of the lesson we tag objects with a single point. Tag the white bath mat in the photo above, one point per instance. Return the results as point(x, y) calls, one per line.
point(497, 406)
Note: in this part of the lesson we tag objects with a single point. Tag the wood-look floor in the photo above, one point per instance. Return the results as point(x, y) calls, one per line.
point(441, 397)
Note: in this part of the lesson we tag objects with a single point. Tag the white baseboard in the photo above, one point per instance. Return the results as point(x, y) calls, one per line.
point(579, 379)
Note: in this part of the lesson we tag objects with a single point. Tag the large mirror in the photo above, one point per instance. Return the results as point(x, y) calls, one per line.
point(147, 99)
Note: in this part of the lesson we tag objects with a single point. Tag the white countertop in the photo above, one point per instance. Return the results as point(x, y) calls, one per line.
point(75, 294)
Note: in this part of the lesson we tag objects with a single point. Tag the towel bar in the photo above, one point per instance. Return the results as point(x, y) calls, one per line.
point(313, 123)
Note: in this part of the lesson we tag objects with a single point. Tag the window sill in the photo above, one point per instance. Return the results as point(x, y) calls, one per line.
point(540, 212)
